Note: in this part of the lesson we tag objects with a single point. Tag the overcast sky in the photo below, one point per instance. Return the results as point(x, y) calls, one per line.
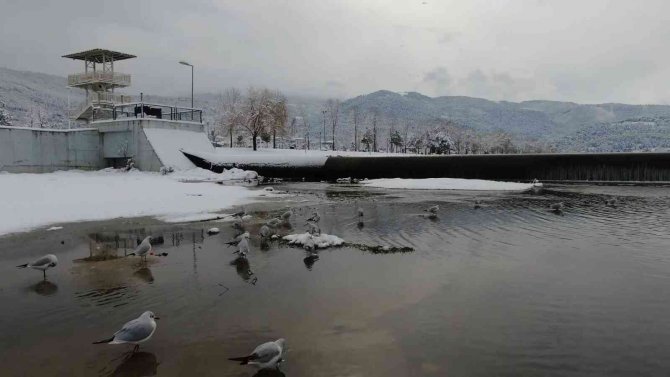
point(584, 51)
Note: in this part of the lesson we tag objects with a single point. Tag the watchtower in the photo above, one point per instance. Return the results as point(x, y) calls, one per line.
point(99, 81)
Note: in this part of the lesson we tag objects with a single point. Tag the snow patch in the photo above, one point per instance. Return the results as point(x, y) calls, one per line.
point(321, 241)
point(448, 184)
point(203, 175)
point(167, 144)
point(31, 201)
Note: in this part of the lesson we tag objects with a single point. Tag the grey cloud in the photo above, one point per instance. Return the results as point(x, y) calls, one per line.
point(439, 78)
point(595, 51)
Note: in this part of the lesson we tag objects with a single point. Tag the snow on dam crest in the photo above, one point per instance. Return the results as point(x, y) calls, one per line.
point(168, 143)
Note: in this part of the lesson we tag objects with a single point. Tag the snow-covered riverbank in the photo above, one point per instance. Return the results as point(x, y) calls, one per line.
point(30, 201)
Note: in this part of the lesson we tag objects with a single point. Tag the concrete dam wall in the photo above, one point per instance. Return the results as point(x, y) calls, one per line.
point(609, 167)
point(30, 150)
point(151, 143)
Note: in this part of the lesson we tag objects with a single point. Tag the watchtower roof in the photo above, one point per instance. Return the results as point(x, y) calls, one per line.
point(96, 55)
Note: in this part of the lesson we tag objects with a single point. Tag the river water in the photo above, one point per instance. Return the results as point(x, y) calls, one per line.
point(509, 289)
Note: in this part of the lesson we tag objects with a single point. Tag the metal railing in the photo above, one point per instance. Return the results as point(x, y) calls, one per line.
point(101, 99)
point(118, 79)
point(152, 110)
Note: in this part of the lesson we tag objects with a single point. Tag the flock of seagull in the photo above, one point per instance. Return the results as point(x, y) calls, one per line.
point(267, 355)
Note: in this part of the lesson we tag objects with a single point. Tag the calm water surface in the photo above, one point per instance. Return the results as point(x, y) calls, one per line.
point(509, 289)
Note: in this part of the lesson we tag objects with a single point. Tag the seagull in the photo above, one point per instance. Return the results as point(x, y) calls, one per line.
point(265, 231)
point(557, 207)
point(243, 247)
point(137, 331)
point(314, 229)
point(315, 217)
point(267, 355)
point(433, 209)
point(360, 212)
point(274, 222)
point(235, 241)
point(44, 263)
point(143, 248)
point(286, 215)
point(309, 244)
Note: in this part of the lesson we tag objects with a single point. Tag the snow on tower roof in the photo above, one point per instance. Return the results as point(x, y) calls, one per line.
point(96, 55)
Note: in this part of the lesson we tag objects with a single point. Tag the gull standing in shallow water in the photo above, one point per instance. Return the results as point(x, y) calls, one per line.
point(236, 240)
point(274, 222)
point(557, 208)
point(265, 232)
point(43, 264)
point(137, 331)
point(143, 248)
point(243, 247)
point(315, 217)
point(267, 355)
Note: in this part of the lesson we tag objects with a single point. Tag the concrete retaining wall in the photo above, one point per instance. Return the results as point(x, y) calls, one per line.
point(106, 143)
point(30, 150)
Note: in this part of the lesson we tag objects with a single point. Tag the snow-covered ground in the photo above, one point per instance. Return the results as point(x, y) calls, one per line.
point(278, 157)
point(30, 201)
point(447, 184)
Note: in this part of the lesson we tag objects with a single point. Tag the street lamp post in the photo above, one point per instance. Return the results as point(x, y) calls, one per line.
point(190, 65)
point(324, 111)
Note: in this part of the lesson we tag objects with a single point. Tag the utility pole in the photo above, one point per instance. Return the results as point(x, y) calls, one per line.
point(190, 65)
point(324, 111)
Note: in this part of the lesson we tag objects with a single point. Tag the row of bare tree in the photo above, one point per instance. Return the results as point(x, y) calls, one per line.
point(261, 112)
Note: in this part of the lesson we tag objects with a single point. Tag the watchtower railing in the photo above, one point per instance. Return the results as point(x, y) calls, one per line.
point(114, 78)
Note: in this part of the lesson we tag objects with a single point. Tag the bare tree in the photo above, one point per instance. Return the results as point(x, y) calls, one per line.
point(305, 123)
point(406, 128)
point(231, 106)
point(279, 116)
point(257, 113)
point(374, 118)
point(5, 118)
point(333, 108)
point(356, 118)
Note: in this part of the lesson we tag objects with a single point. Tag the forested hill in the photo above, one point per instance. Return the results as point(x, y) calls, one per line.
point(545, 120)
point(40, 99)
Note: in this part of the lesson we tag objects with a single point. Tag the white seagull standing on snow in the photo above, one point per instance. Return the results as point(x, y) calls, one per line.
point(137, 331)
point(267, 355)
point(43, 264)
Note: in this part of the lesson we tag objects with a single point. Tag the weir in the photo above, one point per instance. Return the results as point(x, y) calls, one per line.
point(580, 167)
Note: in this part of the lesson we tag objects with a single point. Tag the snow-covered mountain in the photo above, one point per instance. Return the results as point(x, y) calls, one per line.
point(33, 97)
point(40, 99)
